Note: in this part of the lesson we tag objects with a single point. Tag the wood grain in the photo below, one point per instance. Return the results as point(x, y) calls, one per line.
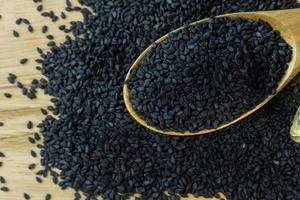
point(16, 111)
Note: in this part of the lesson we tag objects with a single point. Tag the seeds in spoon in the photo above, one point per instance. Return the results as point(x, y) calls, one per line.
point(208, 74)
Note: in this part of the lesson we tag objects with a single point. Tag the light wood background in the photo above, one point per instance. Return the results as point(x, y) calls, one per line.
point(16, 112)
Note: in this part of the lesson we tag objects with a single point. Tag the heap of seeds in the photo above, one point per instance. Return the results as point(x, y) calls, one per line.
point(101, 150)
point(208, 74)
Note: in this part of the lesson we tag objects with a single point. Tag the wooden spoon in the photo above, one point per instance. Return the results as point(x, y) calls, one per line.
point(285, 21)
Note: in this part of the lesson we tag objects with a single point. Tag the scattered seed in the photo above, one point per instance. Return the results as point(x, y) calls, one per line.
point(54, 179)
point(63, 15)
point(19, 85)
point(38, 179)
point(16, 34)
point(29, 125)
point(68, 3)
point(62, 27)
point(7, 95)
point(30, 29)
point(40, 172)
point(51, 44)
point(39, 8)
point(68, 9)
point(33, 153)
point(4, 189)
point(44, 111)
point(19, 21)
point(44, 29)
point(31, 94)
point(76, 8)
point(11, 78)
point(37, 136)
point(26, 21)
point(1, 124)
point(31, 140)
point(50, 37)
point(39, 61)
point(48, 197)
point(26, 196)
point(23, 61)
point(2, 180)
point(24, 91)
point(39, 50)
point(2, 154)
point(31, 166)
point(45, 14)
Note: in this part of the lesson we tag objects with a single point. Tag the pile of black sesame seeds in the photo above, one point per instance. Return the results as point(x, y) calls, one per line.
point(208, 74)
point(101, 151)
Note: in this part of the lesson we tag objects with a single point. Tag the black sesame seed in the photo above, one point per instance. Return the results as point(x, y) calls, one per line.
point(34, 82)
point(40, 172)
point(26, 196)
point(37, 136)
point(31, 166)
point(54, 18)
point(39, 61)
point(23, 61)
point(54, 179)
point(68, 9)
point(24, 91)
point(19, 21)
point(51, 44)
point(39, 50)
point(1, 124)
point(76, 8)
point(33, 153)
point(63, 15)
point(50, 37)
point(44, 29)
point(2, 179)
point(45, 14)
point(68, 3)
point(19, 85)
point(48, 197)
point(4, 189)
point(1, 164)
point(31, 140)
point(25, 21)
point(62, 27)
point(30, 29)
point(39, 8)
point(2, 154)
point(29, 125)
point(38, 179)
point(16, 34)
point(7, 95)
point(11, 78)
point(31, 94)
point(44, 111)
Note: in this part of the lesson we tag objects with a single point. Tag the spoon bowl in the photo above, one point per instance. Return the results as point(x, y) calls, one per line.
point(287, 22)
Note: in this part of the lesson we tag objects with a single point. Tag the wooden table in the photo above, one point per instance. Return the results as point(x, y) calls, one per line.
point(16, 112)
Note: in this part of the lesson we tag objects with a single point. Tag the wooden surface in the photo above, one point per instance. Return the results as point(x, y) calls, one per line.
point(16, 112)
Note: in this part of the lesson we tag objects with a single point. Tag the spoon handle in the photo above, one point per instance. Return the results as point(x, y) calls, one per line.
point(288, 23)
